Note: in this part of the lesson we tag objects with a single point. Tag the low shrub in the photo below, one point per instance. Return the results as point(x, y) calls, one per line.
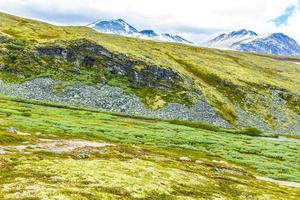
point(26, 114)
point(252, 131)
point(196, 125)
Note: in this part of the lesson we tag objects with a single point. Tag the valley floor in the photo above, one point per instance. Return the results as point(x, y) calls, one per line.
point(50, 151)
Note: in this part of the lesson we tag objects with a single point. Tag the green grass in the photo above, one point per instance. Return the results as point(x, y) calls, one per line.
point(143, 164)
point(227, 144)
point(6, 138)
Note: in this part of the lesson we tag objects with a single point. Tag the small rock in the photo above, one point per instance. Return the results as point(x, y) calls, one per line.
point(2, 152)
point(219, 170)
point(234, 171)
point(199, 162)
point(220, 161)
point(21, 148)
point(38, 133)
point(184, 159)
point(23, 133)
point(12, 130)
point(83, 156)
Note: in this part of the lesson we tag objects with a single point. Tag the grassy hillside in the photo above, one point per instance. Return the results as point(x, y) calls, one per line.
point(228, 80)
point(137, 158)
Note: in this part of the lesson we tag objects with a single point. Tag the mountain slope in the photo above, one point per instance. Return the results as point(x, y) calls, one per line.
point(249, 41)
point(120, 27)
point(230, 89)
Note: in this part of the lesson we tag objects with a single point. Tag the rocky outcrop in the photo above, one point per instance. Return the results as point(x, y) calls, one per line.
point(83, 53)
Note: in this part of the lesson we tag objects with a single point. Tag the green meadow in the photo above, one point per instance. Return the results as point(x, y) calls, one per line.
point(144, 160)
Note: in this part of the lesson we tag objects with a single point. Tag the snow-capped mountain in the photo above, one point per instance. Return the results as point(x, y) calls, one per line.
point(120, 27)
point(249, 41)
point(227, 40)
point(276, 44)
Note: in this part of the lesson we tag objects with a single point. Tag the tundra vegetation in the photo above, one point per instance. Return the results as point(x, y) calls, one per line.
point(51, 151)
point(56, 151)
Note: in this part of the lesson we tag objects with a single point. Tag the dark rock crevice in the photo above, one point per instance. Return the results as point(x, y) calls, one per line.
point(89, 54)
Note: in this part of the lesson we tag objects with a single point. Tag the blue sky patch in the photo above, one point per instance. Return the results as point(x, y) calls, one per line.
point(282, 19)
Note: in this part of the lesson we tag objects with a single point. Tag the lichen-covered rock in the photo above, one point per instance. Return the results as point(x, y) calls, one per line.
point(12, 130)
point(184, 159)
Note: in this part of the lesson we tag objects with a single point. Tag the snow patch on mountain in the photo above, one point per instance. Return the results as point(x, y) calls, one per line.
point(120, 27)
point(227, 40)
point(249, 41)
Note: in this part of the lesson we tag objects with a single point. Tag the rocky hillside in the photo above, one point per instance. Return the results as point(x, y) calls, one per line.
point(79, 66)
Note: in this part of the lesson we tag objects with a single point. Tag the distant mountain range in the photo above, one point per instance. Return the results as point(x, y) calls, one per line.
point(120, 27)
point(249, 41)
point(242, 40)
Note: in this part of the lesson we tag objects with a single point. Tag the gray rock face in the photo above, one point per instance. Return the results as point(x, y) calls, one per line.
point(105, 97)
point(246, 119)
point(201, 111)
point(277, 109)
point(89, 54)
point(109, 98)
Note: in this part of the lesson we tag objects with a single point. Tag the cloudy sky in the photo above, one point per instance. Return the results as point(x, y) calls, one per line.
point(197, 20)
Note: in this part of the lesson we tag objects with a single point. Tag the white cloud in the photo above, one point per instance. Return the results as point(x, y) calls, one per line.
point(195, 19)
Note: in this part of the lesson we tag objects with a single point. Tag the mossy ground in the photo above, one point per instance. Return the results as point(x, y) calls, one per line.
point(144, 161)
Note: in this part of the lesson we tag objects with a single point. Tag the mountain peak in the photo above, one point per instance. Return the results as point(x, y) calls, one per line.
point(227, 40)
point(115, 26)
point(120, 20)
point(242, 32)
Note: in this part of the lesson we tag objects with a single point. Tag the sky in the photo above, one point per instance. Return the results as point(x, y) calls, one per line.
point(196, 20)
